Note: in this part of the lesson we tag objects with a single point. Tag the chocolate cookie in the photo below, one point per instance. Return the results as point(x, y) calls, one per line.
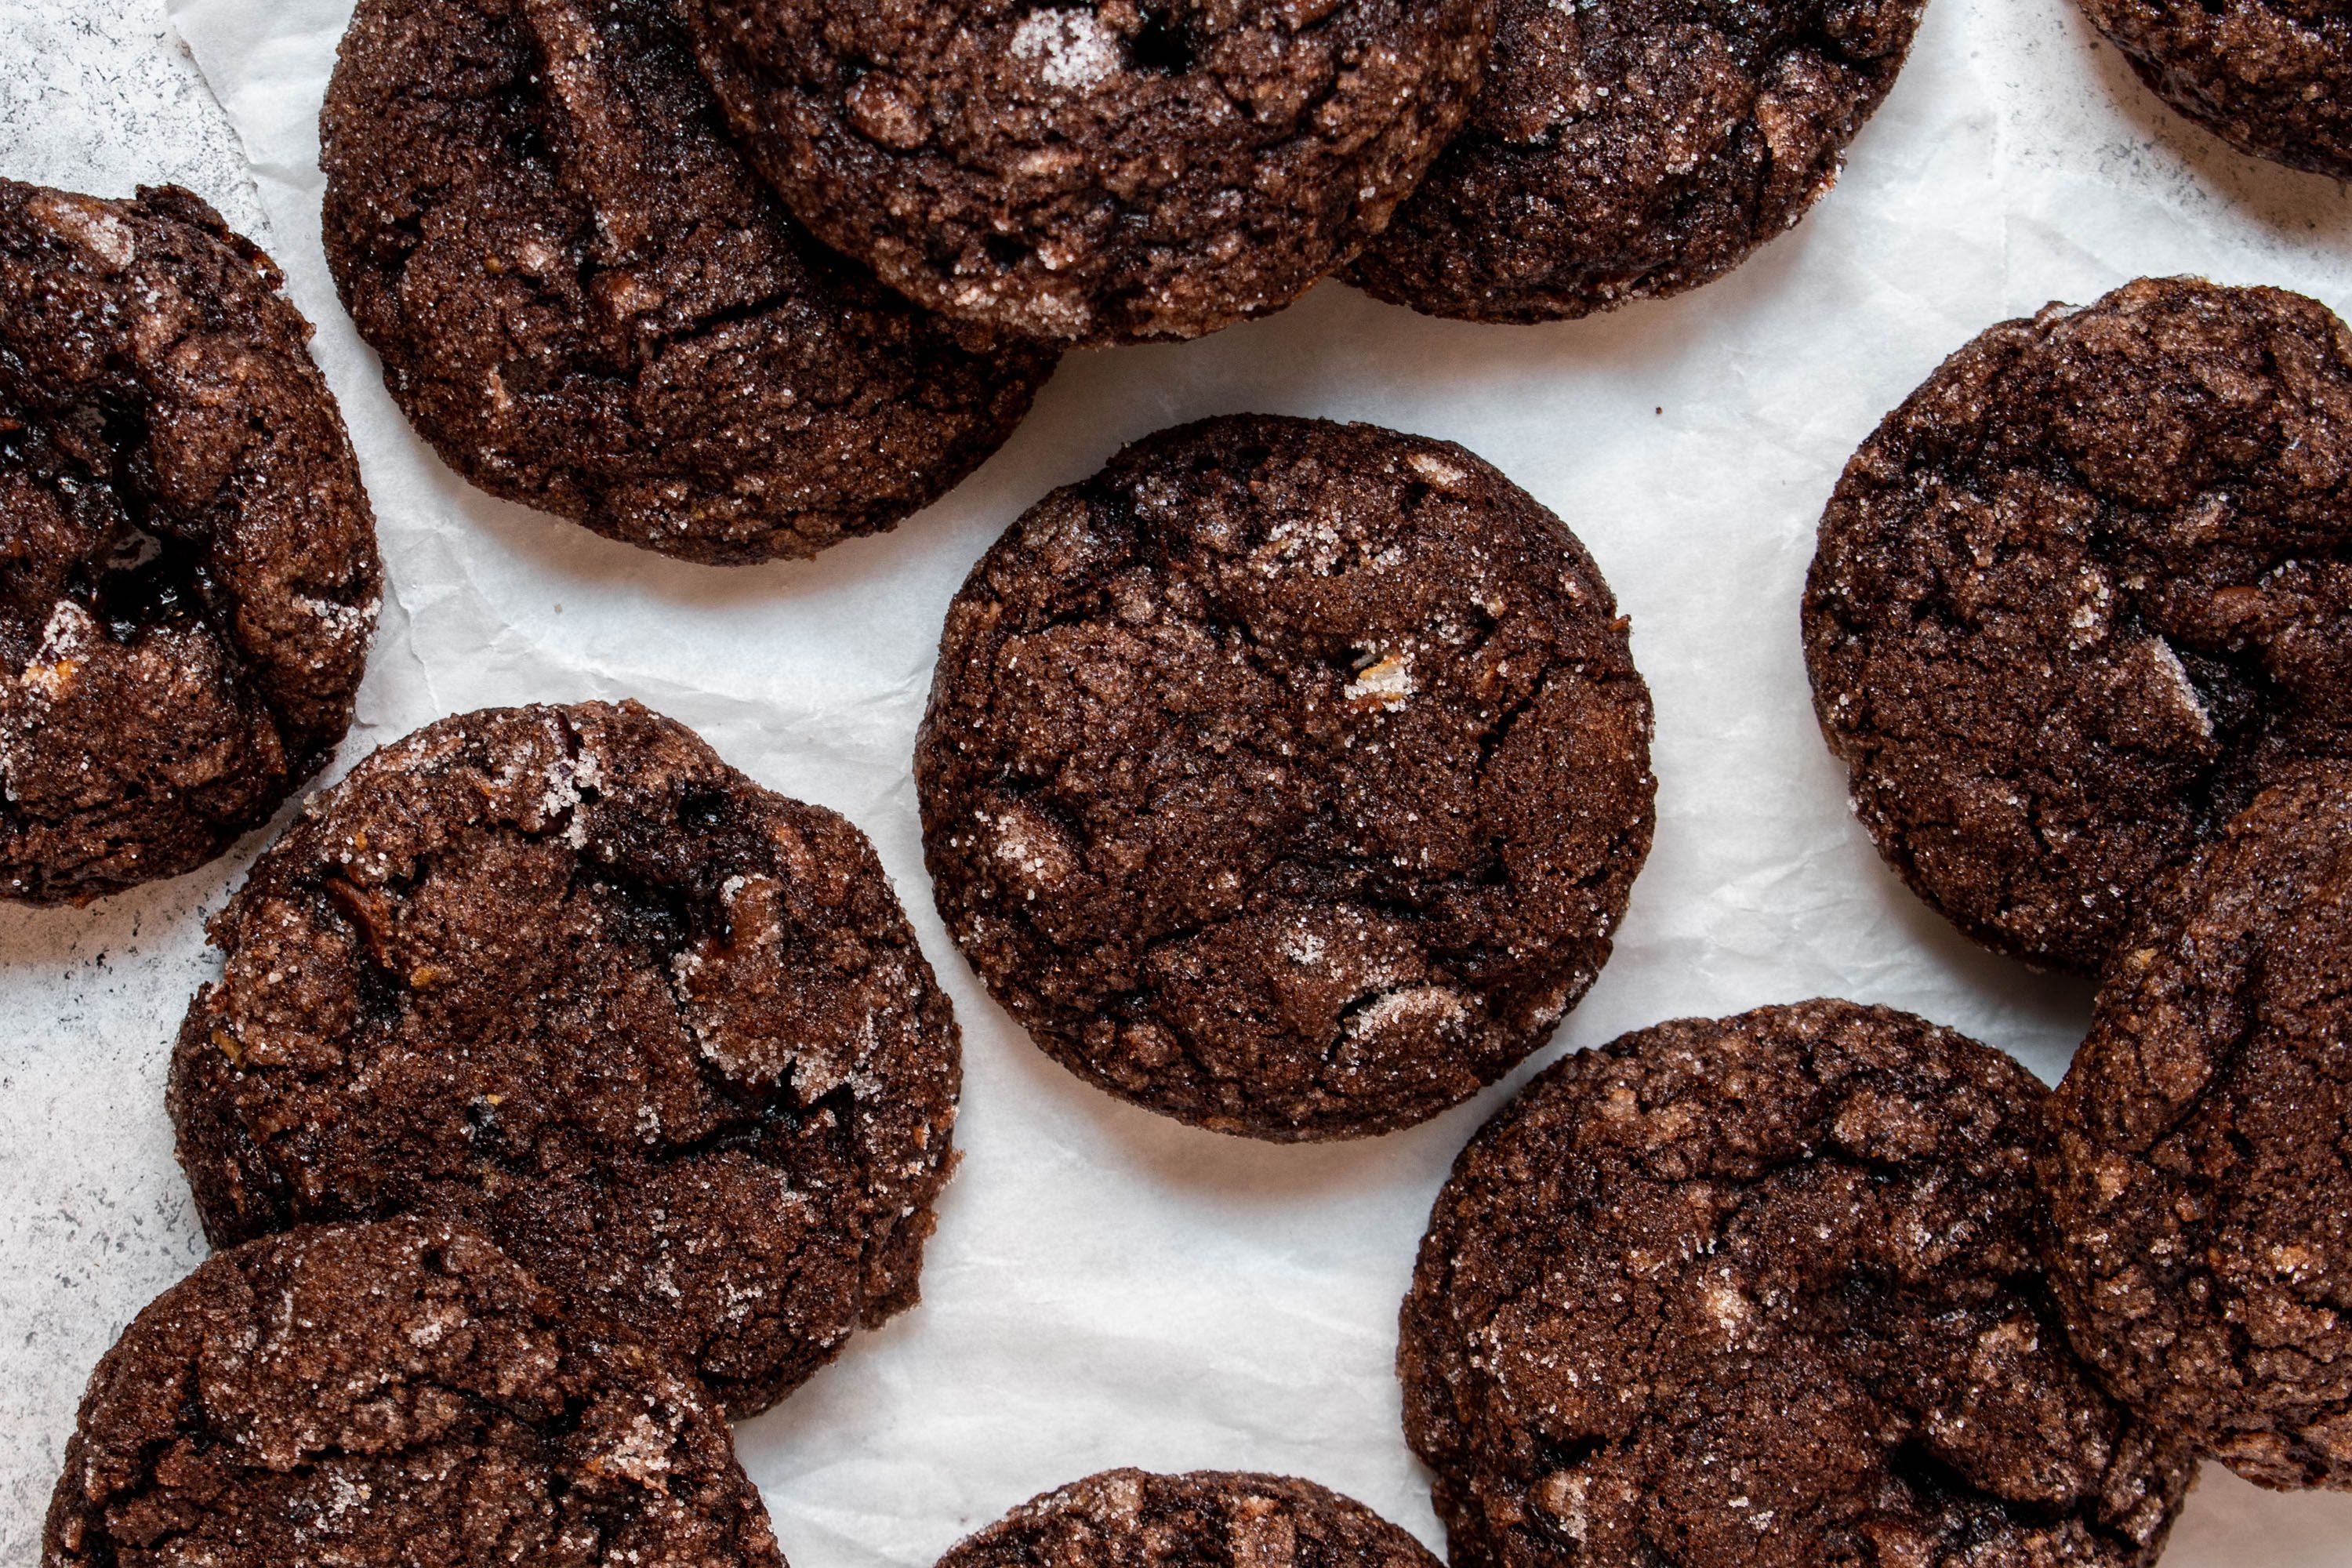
point(188, 572)
point(563, 973)
point(2198, 1181)
point(1099, 172)
point(2080, 594)
point(587, 302)
point(1286, 777)
point(392, 1393)
point(2273, 77)
point(1765, 1290)
point(1627, 149)
point(1207, 1519)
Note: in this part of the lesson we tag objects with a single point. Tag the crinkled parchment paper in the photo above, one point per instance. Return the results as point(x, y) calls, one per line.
point(1107, 1288)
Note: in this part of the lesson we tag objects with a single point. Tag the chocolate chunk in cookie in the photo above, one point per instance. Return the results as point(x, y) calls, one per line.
point(1630, 148)
point(2200, 1180)
point(2273, 77)
point(563, 973)
point(2082, 592)
point(1765, 1290)
point(587, 302)
point(1207, 1519)
point(1102, 171)
point(188, 572)
point(392, 1393)
point(1286, 777)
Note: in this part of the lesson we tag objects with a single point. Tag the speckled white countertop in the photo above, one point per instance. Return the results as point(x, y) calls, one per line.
point(95, 95)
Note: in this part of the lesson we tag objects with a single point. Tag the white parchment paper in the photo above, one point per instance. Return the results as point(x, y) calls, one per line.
point(1108, 1288)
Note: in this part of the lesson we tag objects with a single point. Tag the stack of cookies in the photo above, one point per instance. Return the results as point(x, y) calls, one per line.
point(733, 279)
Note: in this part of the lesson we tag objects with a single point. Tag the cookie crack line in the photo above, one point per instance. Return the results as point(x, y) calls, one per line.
point(754, 1121)
point(1291, 870)
point(325, 1455)
point(141, 511)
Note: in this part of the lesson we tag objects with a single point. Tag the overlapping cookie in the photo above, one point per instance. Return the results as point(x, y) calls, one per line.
point(1628, 149)
point(1766, 1291)
point(562, 974)
point(586, 301)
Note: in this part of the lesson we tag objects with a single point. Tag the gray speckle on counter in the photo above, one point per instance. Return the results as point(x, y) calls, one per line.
point(97, 95)
point(94, 1217)
point(100, 96)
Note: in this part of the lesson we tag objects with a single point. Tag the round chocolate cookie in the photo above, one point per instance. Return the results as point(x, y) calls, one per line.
point(2080, 594)
point(2273, 77)
point(1098, 172)
point(1286, 777)
point(1207, 1519)
point(587, 302)
point(395, 1393)
point(1630, 148)
point(188, 572)
point(2199, 1183)
point(563, 973)
point(1765, 1290)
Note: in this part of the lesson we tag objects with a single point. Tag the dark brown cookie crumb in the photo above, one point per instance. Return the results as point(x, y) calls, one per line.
point(2273, 77)
point(2200, 1180)
point(1102, 172)
point(1629, 149)
point(1207, 1519)
point(587, 302)
point(1286, 777)
point(563, 973)
point(2082, 592)
point(1765, 1290)
point(188, 572)
point(392, 1393)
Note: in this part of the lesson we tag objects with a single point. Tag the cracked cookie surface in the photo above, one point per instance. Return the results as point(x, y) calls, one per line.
point(2082, 592)
point(2273, 77)
point(2202, 1172)
point(1766, 1291)
point(1635, 149)
point(394, 1393)
point(1203, 1518)
point(1096, 173)
point(188, 571)
point(587, 302)
point(1286, 777)
point(563, 973)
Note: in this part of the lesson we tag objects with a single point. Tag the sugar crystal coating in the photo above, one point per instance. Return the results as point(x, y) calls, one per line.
point(563, 973)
